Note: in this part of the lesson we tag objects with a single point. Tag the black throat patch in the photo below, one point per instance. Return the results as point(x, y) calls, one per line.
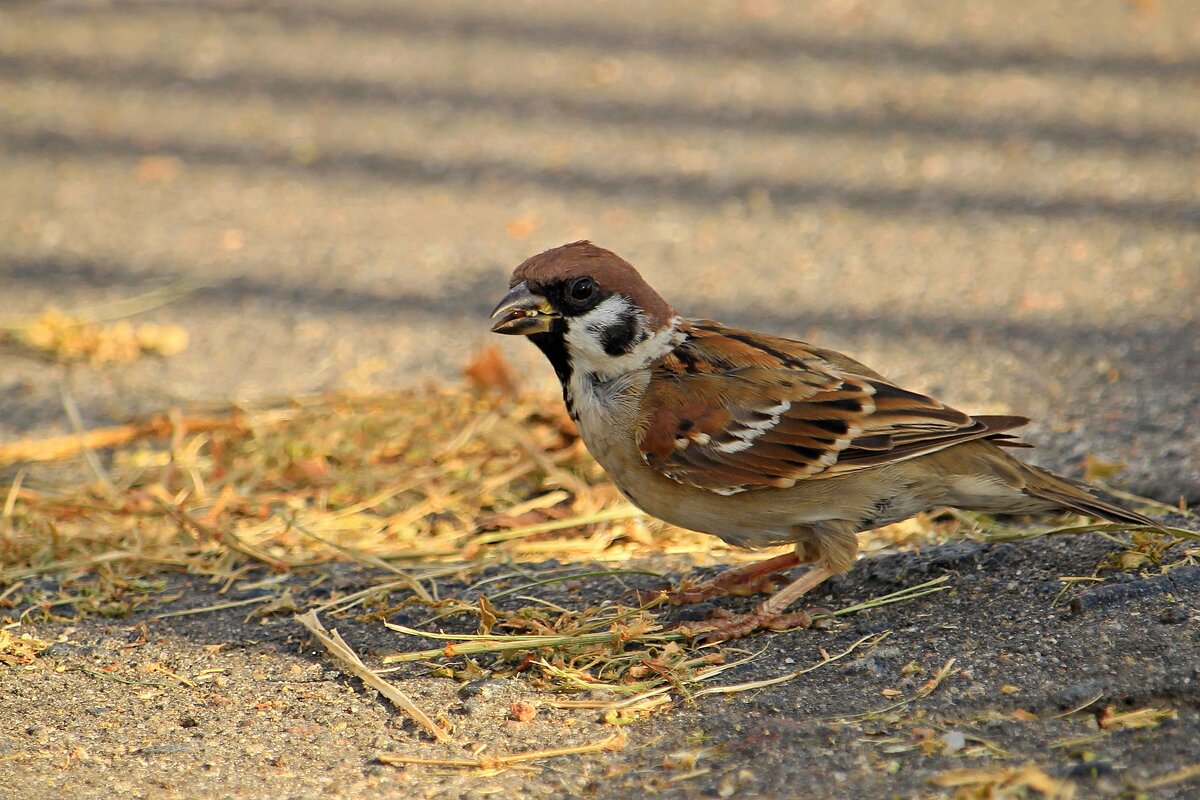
point(554, 346)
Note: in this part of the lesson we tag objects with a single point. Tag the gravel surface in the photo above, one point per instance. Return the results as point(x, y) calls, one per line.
point(998, 204)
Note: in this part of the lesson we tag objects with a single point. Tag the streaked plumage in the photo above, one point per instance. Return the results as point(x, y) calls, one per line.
point(754, 438)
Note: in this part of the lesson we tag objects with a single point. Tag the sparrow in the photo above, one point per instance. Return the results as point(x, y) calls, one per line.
point(758, 439)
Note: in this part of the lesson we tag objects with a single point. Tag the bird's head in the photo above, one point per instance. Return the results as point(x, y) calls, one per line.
point(587, 309)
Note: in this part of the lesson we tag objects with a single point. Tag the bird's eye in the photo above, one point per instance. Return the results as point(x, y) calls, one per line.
point(582, 290)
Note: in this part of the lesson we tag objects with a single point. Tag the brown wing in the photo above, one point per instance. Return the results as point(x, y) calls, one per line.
point(732, 410)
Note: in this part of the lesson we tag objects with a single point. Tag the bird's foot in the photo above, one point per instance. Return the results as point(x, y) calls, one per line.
point(726, 626)
point(742, 581)
point(698, 593)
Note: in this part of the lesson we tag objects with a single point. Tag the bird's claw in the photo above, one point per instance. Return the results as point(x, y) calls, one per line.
point(687, 595)
point(725, 626)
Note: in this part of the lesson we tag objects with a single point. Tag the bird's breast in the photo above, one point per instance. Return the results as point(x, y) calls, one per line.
point(607, 425)
point(599, 405)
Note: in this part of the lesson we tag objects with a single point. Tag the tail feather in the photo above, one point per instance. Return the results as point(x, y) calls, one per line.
point(1048, 486)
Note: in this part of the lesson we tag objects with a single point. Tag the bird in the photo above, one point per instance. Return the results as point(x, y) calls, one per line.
point(758, 439)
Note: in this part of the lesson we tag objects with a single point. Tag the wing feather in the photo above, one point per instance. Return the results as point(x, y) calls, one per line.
point(731, 410)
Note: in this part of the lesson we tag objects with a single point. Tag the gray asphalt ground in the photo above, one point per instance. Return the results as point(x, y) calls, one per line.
point(995, 202)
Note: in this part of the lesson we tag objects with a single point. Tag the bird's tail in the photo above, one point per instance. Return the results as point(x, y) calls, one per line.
point(1048, 486)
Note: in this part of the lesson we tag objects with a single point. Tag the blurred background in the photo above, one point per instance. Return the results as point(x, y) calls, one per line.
point(996, 202)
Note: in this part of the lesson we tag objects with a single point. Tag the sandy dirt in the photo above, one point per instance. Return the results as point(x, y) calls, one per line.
point(997, 205)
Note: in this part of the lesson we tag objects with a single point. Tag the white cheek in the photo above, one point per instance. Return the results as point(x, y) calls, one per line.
point(585, 342)
point(583, 335)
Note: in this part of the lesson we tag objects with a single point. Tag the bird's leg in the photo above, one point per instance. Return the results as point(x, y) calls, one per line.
point(769, 615)
point(751, 576)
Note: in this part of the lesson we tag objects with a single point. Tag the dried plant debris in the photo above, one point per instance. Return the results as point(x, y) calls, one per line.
point(438, 475)
point(337, 646)
point(435, 475)
point(421, 477)
point(19, 649)
point(441, 482)
point(101, 334)
point(997, 783)
point(1110, 721)
point(614, 741)
point(66, 339)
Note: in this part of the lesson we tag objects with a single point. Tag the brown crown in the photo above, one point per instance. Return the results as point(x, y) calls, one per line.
point(611, 273)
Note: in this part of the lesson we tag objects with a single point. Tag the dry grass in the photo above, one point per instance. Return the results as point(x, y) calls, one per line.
point(416, 485)
point(440, 475)
point(997, 783)
point(100, 334)
point(402, 481)
point(423, 477)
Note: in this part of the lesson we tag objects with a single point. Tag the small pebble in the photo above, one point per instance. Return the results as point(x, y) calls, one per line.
point(954, 741)
point(1174, 615)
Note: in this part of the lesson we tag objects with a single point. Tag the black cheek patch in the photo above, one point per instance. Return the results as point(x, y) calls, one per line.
point(621, 337)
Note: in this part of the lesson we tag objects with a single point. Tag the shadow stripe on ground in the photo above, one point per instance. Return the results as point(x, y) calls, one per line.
point(647, 186)
point(469, 295)
point(740, 41)
point(675, 114)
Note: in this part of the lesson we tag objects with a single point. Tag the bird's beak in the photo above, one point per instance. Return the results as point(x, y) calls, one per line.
point(523, 313)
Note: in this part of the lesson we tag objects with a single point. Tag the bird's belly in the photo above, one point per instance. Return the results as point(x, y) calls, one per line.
point(746, 519)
